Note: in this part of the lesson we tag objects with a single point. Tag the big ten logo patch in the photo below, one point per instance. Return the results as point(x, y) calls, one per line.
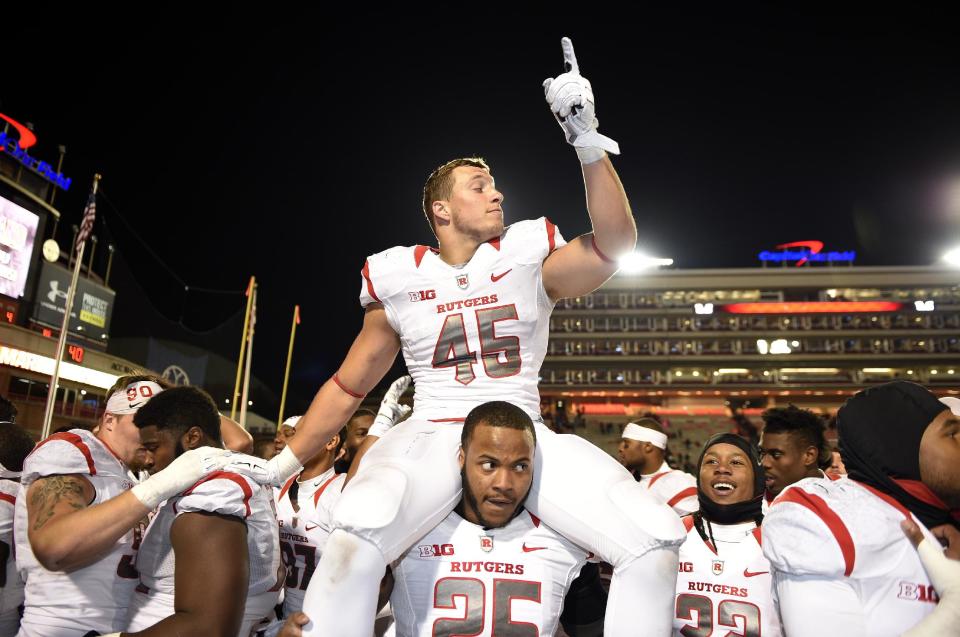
point(686, 567)
point(435, 550)
point(918, 592)
point(422, 295)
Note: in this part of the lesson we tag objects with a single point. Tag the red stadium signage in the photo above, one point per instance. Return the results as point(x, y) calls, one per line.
point(812, 307)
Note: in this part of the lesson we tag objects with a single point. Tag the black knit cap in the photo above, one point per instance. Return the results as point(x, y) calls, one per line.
point(741, 511)
point(879, 431)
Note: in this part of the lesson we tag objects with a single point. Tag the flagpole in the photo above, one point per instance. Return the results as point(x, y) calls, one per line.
point(243, 349)
point(246, 374)
point(61, 342)
point(286, 374)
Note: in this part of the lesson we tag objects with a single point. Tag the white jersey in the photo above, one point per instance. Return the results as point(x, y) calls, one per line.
point(95, 597)
point(11, 593)
point(304, 531)
point(482, 326)
point(463, 580)
point(843, 530)
point(727, 589)
point(224, 493)
point(677, 489)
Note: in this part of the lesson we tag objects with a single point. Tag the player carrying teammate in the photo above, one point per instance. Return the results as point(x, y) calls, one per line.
point(473, 321)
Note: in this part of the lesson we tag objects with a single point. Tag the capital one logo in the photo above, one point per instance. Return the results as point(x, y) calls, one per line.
point(18, 150)
point(26, 136)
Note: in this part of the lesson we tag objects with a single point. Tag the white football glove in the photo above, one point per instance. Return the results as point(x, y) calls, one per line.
point(272, 472)
point(944, 574)
point(570, 97)
point(180, 475)
point(391, 411)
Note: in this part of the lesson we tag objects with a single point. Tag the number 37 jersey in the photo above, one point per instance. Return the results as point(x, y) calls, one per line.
point(473, 333)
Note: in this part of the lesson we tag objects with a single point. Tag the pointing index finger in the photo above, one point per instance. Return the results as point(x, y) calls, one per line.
point(569, 57)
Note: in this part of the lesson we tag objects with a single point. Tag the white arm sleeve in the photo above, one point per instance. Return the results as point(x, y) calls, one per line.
point(815, 606)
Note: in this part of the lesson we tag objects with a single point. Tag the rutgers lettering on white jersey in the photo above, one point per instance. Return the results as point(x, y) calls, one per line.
point(725, 589)
point(483, 325)
point(11, 593)
point(224, 493)
point(677, 489)
point(92, 598)
point(846, 532)
point(463, 580)
point(304, 531)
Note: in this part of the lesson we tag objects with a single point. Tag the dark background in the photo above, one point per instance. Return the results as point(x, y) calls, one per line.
point(290, 146)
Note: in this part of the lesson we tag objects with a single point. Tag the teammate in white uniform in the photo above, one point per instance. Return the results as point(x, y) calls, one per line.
point(15, 445)
point(489, 568)
point(842, 565)
point(472, 319)
point(305, 521)
point(792, 447)
point(210, 561)
point(724, 582)
point(642, 451)
point(78, 518)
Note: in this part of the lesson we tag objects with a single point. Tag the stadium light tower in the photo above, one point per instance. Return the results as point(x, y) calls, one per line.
point(952, 257)
point(637, 262)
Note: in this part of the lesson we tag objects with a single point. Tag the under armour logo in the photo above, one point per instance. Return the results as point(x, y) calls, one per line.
point(55, 292)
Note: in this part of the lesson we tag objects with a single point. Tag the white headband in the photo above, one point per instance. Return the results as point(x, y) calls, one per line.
point(952, 403)
point(6, 473)
point(634, 431)
point(291, 421)
point(133, 397)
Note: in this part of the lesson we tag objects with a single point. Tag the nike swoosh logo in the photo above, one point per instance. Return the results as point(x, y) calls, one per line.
point(528, 549)
point(497, 277)
point(747, 573)
point(310, 528)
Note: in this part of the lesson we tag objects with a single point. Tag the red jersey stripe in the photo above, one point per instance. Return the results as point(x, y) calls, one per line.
point(686, 493)
point(822, 510)
point(495, 243)
point(687, 522)
point(534, 519)
point(447, 420)
point(656, 477)
point(889, 499)
point(5, 497)
point(77, 442)
point(366, 275)
point(226, 475)
point(286, 487)
point(323, 487)
point(418, 253)
point(759, 535)
point(551, 234)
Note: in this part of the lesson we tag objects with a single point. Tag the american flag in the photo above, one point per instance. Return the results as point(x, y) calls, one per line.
point(89, 213)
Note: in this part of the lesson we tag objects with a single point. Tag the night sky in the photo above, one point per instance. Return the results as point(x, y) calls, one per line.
point(291, 147)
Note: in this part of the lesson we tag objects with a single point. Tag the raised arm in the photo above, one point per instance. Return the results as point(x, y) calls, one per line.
point(235, 437)
point(369, 359)
point(581, 266)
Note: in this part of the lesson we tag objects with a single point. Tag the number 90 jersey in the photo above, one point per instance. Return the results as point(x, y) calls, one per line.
point(481, 327)
point(463, 580)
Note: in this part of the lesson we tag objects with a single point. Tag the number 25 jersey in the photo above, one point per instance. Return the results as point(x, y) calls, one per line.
point(460, 579)
point(474, 333)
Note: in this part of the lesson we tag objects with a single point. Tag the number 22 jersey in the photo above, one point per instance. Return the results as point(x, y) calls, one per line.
point(482, 326)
